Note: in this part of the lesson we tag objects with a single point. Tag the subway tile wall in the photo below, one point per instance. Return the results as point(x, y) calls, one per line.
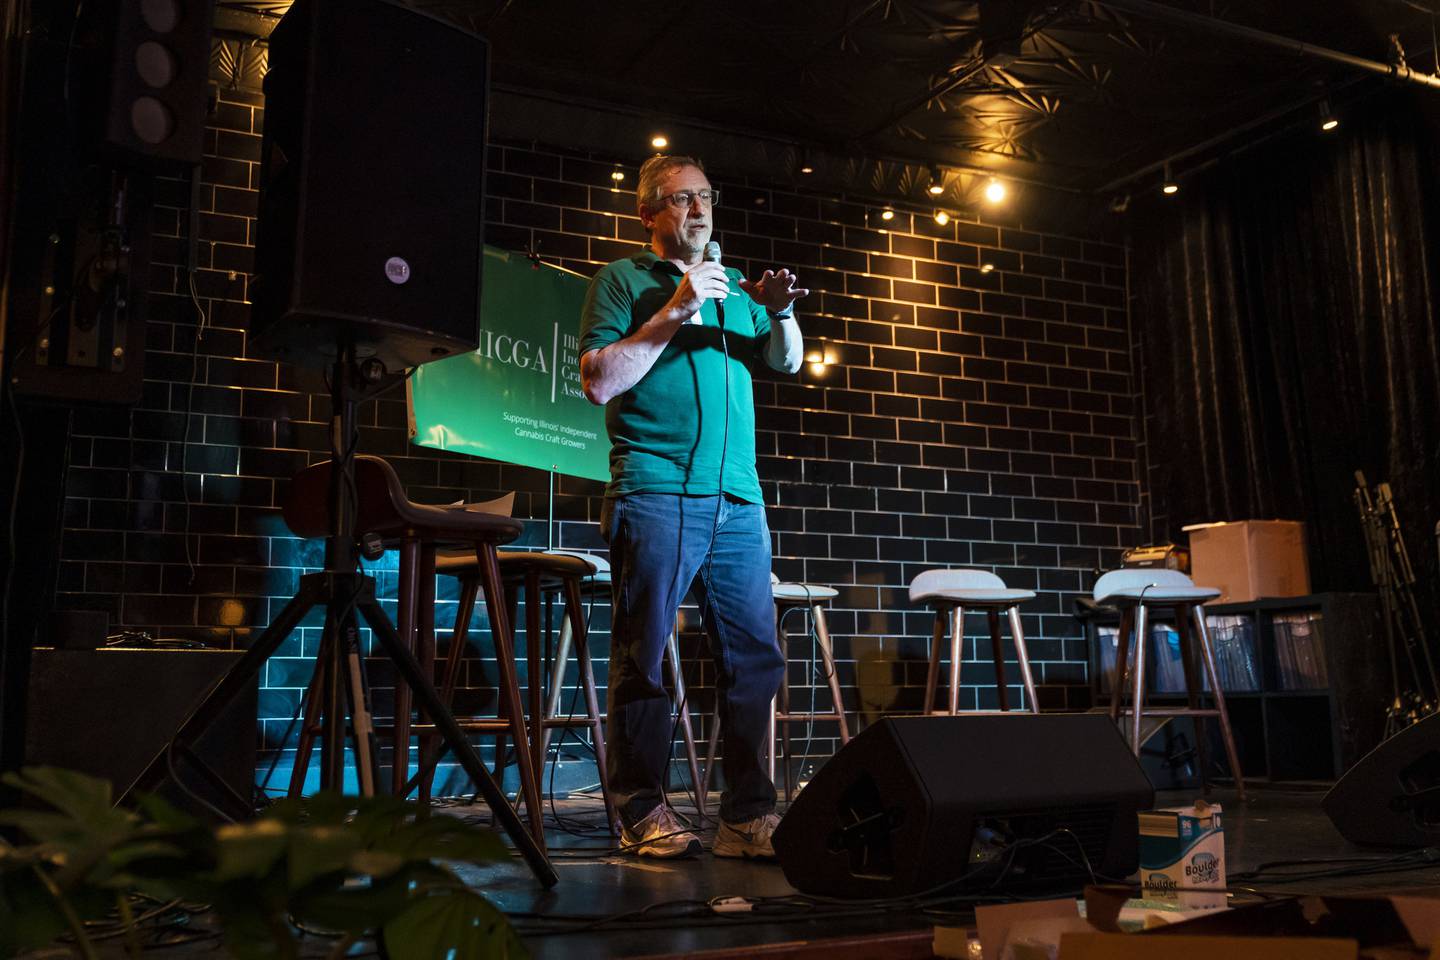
point(978, 410)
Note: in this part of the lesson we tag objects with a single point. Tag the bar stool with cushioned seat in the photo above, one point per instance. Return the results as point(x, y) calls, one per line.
point(950, 593)
point(789, 597)
point(1134, 592)
point(418, 531)
point(537, 574)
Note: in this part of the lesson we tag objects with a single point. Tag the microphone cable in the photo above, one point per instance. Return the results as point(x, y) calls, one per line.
point(712, 252)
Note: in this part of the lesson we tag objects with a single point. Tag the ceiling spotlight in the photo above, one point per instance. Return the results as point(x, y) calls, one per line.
point(659, 141)
point(1328, 120)
point(941, 217)
point(987, 268)
point(887, 214)
point(994, 191)
point(1168, 186)
point(937, 181)
point(806, 166)
point(617, 174)
point(814, 356)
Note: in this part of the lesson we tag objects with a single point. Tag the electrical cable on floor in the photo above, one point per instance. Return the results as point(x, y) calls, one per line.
point(162, 924)
point(1272, 872)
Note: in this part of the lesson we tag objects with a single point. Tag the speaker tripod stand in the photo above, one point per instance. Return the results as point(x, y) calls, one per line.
point(344, 592)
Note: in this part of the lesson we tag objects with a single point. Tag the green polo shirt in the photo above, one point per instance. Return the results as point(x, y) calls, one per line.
point(669, 432)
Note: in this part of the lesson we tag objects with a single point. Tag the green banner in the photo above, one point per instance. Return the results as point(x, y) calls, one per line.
point(517, 398)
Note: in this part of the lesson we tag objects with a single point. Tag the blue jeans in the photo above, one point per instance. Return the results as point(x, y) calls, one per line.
point(661, 544)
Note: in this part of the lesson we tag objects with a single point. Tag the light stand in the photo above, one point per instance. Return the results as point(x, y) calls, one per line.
point(343, 591)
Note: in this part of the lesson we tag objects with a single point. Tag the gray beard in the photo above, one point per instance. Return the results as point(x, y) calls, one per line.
point(691, 251)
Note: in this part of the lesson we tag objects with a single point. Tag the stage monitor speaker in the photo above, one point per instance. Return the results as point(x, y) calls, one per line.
point(108, 712)
point(996, 802)
point(371, 212)
point(1391, 797)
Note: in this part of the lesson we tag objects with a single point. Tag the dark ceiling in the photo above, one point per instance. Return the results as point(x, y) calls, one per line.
point(1087, 96)
point(1092, 94)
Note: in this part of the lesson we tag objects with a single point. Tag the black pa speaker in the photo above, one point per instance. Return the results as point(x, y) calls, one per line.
point(1391, 797)
point(372, 183)
point(159, 67)
point(1013, 802)
point(109, 712)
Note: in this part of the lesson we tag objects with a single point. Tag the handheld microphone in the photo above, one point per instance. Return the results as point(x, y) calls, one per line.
point(712, 255)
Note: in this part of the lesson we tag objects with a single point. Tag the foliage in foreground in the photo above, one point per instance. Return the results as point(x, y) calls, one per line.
point(353, 866)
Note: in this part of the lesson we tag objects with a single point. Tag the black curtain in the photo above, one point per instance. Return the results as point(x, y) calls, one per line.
point(1285, 324)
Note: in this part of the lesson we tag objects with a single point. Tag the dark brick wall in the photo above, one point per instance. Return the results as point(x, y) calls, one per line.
point(979, 411)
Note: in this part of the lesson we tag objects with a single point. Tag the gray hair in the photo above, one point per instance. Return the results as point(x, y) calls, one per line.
point(654, 170)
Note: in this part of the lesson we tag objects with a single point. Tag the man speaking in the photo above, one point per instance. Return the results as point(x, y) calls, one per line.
point(668, 338)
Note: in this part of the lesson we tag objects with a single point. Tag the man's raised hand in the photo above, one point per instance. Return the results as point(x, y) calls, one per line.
point(775, 290)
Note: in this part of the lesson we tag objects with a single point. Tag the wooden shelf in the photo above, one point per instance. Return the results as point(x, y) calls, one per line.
point(1313, 733)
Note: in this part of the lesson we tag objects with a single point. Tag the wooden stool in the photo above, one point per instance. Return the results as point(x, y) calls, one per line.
point(598, 584)
point(789, 597)
point(949, 593)
point(1135, 591)
point(417, 531)
point(536, 574)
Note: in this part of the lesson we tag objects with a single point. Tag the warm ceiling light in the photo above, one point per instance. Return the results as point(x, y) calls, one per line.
point(659, 141)
point(941, 217)
point(887, 214)
point(814, 356)
point(806, 166)
point(937, 181)
point(1328, 120)
point(987, 268)
point(994, 191)
point(617, 174)
point(1168, 186)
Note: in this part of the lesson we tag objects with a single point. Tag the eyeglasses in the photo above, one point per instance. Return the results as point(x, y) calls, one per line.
point(683, 199)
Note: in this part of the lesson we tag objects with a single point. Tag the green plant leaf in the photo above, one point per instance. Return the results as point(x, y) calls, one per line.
point(443, 838)
point(354, 907)
point(328, 808)
point(318, 850)
point(286, 810)
point(123, 865)
point(164, 814)
point(375, 863)
point(377, 817)
point(84, 798)
point(255, 931)
point(459, 920)
point(49, 827)
point(29, 917)
point(250, 849)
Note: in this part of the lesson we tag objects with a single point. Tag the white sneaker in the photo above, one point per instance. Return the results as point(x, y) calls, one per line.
point(749, 839)
point(662, 835)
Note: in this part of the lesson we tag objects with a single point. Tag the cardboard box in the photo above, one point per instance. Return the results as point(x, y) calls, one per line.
point(1182, 849)
point(1125, 946)
point(1250, 559)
